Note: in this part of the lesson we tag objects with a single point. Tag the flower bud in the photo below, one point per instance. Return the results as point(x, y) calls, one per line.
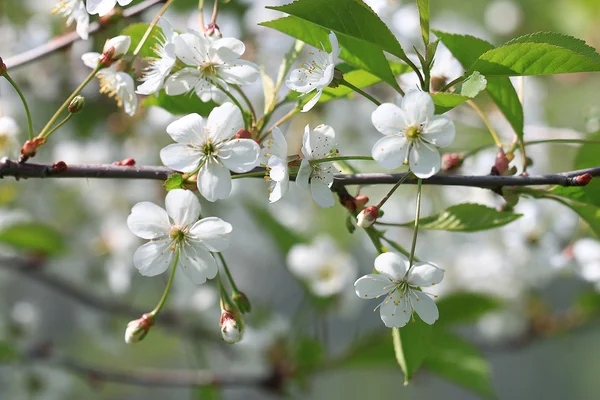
point(367, 217)
point(77, 104)
point(31, 146)
point(138, 329)
point(117, 46)
point(501, 163)
point(451, 161)
point(242, 302)
point(584, 179)
point(243, 134)
point(212, 30)
point(361, 200)
point(3, 67)
point(126, 162)
point(231, 330)
point(58, 167)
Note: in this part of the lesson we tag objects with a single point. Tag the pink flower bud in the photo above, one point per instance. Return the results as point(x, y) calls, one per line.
point(138, 329)
point(361, 200)
point(367, 217)
point(451, 161)
point(3, 67)
point(231, 330)
point(243, 134)
point(584, 179)
point(501, 164)
point(213, 30)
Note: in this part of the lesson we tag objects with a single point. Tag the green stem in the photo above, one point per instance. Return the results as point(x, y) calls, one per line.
point(359, 91)
point(29, 121)
point(235, 101)
point(416, 69)
point(375, 239)
point(249, 175)
point(486, 122)
point(61, 123)
point(228, 273)
point(341, 158)
point(247, 100)
point(165, 294)
point(65, 105)
point(396, 186)
point(452, 83)
point(416, 231)
point(151, 26)
point(226, 303)
point(397, 247)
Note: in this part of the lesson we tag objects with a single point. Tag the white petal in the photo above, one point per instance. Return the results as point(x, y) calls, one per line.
point(165, 26)
point(182, 206)
point(321, 193)
point(188, 129)
point(183, 81)
point(393, 265)
point(278, 189)
point(390, 151)
point(394, 311)
point(214, 181)
point(424, 306)
point(335, 48)
point(372, 286)
point(418, 106)
point(278, 168)
point(425, 274)
point(154, 257)
point(224, 122)
point(83, 22)
point(389, 119)
point(198, 264)
point(303, 175)
point(180, 157)
point(192, 49)
point(241, 72)
point(319, 141)
point(424, 160)
point(100, 7)
point(311, 103)
point(301, 81)
point(439, 131)
point(148, 221)
point(213, 232)
point(226, 50)
point(240, 155)
point(124, 2)
point(327, 76)
point(91, 59)
point(276, 144)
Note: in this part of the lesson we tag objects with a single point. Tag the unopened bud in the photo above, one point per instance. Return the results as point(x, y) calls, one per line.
point(242, 302)
point(126, 162)
point(138, 329)
point(501, 163)
point(243, 134)
point(367, 217)
point(59, 167)
point(231, 330)
point(31, 146)
point(117, 46)
point(361, 200)
point(451, 161)
point(77, 104)
point(583, 180)
point(3, 67)
point(212, 30)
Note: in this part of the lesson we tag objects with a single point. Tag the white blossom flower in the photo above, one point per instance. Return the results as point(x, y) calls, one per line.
point(208, 146)
point(103, 7)
point(209, 62)
point(316, 73)
point(9, 141)
point(113, 83)
point(322, 267)
point(160, 67)
point(400, 284)
point(74, 11)
point(274, 154)
point(119, 45)
point(177, 230)
point(317, 144)
point(413, 134)
point(587, 254)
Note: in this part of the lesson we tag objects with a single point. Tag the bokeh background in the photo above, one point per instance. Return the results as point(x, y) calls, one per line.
point(528, 259)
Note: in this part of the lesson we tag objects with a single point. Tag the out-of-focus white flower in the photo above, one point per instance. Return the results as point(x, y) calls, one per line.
point(177, 230)
point(74, 11)
point(382, 7)
point(103, 7)
point(209, 62)
point(399, 283)
point(412, 134)
point(503, 17)
point(208, 145)
point(113, 83)
point(275, 158)
point(315, 73)
point(9, 133)
point(317, 144)
point(587, 254)
point(322, 266)
point(160, 66)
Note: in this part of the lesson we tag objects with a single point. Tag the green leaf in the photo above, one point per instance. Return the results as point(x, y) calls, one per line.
point(464, 307)
point(136, 32)
point(470, 88)
point(412, 345)
point(354, 51)
point(174, 181)
point(473, 85)
point(178, 105)
point(8, 352)
point(283, 237)
point(467, 49)
point(423, 6)
point(347, 17)
point(33, 237)
point(458, 361)
point(538, 54)
point(588, 304)
point(466, 217)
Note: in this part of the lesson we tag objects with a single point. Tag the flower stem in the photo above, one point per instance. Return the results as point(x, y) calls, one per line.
point(341, 158)
point(235, 101)
point(165, 294)
point(151, 26)
point(486, 122)
point(396, 186)
point(359, 91)
point(213, 20)
point(83, 84)
point(452, 83)
point(248, 175)
point(228, 273)
point(247, 100)
point(61, 123)
point(226, 303)
point(14, 85)
point(416, 231)
point(201, 15)
point(375, 239)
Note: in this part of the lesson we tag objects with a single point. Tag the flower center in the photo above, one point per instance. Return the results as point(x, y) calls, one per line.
point(177, 233)
point(209, 148)
point(412, 133)
point(208, 69)
point(326, 273)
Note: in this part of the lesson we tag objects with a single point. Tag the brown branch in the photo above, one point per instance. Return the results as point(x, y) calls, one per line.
point(66, 40)
point(17, 170)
